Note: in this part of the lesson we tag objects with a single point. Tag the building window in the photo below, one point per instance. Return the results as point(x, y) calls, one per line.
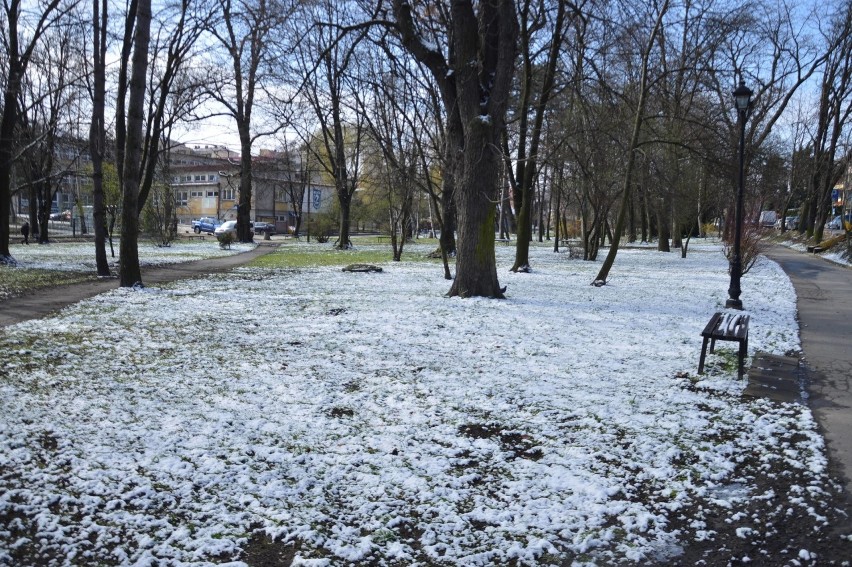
point(211, 177)
point(181, 198)
point(197, 194)
point(199, 178)
point(212, 193)
point(228, 194)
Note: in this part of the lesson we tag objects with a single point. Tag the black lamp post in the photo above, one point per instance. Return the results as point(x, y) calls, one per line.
point(742, 102)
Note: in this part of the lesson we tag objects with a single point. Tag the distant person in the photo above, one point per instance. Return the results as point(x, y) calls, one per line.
point(25, 230)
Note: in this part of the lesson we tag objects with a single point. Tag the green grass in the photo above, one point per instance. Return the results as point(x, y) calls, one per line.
point(295, 256)
point(18, 281)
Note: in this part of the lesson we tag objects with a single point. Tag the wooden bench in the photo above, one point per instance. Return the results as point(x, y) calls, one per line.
point(503, 241)
point(383, 238)
point(726, 327)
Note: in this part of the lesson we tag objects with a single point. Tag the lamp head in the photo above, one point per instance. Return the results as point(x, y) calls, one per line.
point(742, 97)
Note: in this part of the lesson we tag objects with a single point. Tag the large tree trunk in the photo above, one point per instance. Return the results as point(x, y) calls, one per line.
point(244, 232)
point(344, 240)
point(44, 205)
point(7, 141)
point(476, 265)
point(664, 234)
point(97, 132)
point(129, 271)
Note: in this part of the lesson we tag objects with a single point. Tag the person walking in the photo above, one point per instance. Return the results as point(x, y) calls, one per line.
point(25, 230)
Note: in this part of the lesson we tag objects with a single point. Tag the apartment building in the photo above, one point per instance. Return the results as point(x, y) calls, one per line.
point(206, 182)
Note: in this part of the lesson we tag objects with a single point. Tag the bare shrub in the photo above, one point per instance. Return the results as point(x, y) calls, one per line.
point(751, 246)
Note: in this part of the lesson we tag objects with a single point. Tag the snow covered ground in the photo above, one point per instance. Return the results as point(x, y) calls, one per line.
point(366, 418)
point(76, 256)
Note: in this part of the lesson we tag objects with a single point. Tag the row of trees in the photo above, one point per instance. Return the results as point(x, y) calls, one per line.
point(503, 113)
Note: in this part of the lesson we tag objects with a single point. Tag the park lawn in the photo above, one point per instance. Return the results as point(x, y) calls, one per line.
point(17, 281)
point(331, 417)
point(62, 263)
point(301, 254)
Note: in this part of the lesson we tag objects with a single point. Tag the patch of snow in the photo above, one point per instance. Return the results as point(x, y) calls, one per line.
point(78, 256)
point(369, 416)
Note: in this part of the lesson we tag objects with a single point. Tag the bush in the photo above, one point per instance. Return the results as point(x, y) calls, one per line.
point(751, 245)
point(225, 239)
point(323, 226)
point(709, 228)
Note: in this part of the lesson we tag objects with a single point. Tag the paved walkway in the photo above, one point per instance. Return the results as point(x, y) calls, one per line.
point(824, 291)
point(47, 300)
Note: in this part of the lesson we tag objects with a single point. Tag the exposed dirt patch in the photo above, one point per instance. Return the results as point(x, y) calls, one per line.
point(777, 528)
point(514, 442)
point(263, 551)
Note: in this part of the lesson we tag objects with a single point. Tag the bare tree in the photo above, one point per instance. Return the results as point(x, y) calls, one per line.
point(658, 12)
point(539, 57)
point(244, 30)
point(772, 49)
point(19, 52)
point(293, 181)
point(97, 130)
point(390, 112)
point(48, 98)
point(473, 71)
point(130, 136)
point(143, 112)
point(326, 60)
point(835, 108)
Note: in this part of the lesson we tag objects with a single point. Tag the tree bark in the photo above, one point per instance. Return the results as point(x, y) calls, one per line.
point(129, 271)
point(97, 131)
point(476, 267)
point(477, 84)
point(244, 232)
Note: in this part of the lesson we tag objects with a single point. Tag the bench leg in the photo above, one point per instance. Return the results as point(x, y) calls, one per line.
point(712, 345)
point(742, 354)
point(703, 355)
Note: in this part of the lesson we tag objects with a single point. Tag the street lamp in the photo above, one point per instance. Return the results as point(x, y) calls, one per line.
point(742, 102)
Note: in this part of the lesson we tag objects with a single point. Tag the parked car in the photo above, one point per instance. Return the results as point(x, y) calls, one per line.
point(205, 224)
point(264, 228)
point(790, 223)
point(837, 223)
point(227, 226)
point(833, 224)
point(768, 218)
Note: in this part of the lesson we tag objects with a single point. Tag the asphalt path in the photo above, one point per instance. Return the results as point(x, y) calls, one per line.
point(824, 292)
point(44, 301)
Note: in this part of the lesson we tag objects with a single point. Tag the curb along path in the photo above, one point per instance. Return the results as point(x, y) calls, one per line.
point(47, 300)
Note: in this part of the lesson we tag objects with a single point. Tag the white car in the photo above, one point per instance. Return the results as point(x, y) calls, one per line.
point(225, 227)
